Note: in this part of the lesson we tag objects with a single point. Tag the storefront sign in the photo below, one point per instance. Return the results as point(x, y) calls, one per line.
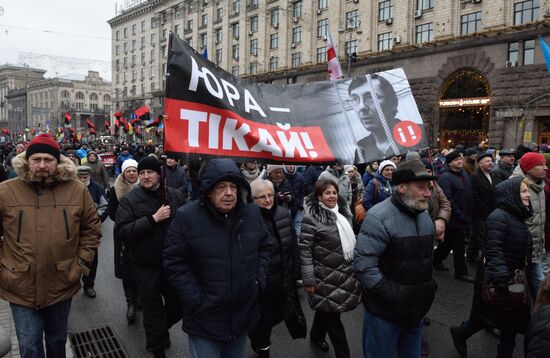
point(465, 102)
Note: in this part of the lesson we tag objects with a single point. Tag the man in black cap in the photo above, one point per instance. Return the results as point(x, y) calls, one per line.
point(175, 175)
point(393, 262)
point(456, 185)
point(505, 166)
point(482, 196)
point(142, 220)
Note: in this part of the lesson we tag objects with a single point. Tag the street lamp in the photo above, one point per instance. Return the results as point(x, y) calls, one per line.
point(351, 24)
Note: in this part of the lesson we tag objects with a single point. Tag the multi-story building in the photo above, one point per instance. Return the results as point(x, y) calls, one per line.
point(475, 66)
point(43, 103)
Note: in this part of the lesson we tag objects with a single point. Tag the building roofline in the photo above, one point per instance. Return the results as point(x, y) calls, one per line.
point(135, 12)
point(20, 67)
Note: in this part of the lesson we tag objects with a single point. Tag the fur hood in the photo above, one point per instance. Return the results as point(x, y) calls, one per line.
point(122, 187)
point(324, 216)
point(66, 169)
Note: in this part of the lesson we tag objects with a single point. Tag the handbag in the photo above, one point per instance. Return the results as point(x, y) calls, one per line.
point(360, 212)
point(295, 320)
point(516, 297)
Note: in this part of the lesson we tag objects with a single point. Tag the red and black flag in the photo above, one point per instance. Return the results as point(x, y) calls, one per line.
point(118, 116)
point(156, 122)
point(92, 130)
point(90, 124)
point(107, 124)
point(67, 118)
point(143, 114)
point(6, 131)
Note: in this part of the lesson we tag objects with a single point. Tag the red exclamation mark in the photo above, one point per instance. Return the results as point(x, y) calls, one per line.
point(308, 144)
point(411, 131)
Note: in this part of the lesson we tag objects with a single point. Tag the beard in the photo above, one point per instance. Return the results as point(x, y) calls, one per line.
point(418, 204)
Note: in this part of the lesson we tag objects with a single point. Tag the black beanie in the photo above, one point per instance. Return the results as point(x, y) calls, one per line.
point(452, 156)
point(150, 163)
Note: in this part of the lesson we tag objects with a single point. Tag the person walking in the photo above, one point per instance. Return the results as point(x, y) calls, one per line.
point(50, 233)
point(283, 266)
point(381, 187)
point(175, 175)
point(508, 247)
point(142, 221)
point(216, 257)
point(99, 173)
point(326, 254)
point(393, 262)
point(505, 166)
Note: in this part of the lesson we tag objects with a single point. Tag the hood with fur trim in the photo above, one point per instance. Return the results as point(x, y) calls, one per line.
point(66, 169)
point(324, 216)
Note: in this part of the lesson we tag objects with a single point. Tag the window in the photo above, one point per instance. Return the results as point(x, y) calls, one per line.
point(254, 23)
point(152, 56)
point(235, 30)
point(526, 11)
point(322, 28)
point(189, 24)
point(125, 33)
point(117, 35)
point(322, 4)
point(177, 30)
point(143, 58)
point(133, 60)
point(352, 19)
point(219, 56)
point(273, 63)
point(143, 42)
point(296, 59)
point(471, 23)
point(254, 47)
point(125, 62)
point(117, 50)
point(513, 52)
point(235, 71)
point(153, 40)
point(253, 68)
point(126, 47)
point(425, 4)
point(529, 52)
point(297, 34)
point(274, 41)
point(219, 14)
point(385, 10)
point(163, 34)
point(204, 19)
point(134, 26)
point(65, 94)
point(133, 45)
point(321, 54)
point(202, 39)
point(351, 47)
point(297, 9)
point(384, 41)
point(153, 72)
point(143, 26)
point(117, 64)
point(253, 3)
point(274, 17)
point(154, 22)
point(424, 33)
point(219, 35)
point(236, 6)
point(235, 52)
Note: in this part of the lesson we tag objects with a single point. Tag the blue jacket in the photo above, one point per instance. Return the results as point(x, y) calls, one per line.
point(385, 189)
point(119, 160)
point(217, 263)
point(296, 181)
point(310, 177)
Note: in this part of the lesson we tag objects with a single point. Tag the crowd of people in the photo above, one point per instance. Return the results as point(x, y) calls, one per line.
point(223, 247)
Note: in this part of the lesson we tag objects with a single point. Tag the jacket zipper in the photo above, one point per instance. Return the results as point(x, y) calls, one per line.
point(66, 223)
point(19, 225)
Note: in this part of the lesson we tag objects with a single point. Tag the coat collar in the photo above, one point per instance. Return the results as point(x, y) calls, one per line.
point(66, 170)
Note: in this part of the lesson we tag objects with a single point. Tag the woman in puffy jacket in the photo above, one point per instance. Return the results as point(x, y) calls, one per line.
point(326, 247)
point(283, 265)
point(381, 187)
point(537, 338)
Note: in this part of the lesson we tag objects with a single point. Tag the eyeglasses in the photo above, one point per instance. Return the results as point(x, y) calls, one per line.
point(265, 197)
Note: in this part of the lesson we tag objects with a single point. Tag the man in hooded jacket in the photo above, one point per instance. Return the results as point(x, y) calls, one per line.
point(216, 257)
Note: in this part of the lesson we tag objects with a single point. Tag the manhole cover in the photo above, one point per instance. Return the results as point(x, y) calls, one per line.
point(97, 342)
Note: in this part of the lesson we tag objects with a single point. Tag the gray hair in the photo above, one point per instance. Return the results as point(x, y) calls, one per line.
point(258, 185)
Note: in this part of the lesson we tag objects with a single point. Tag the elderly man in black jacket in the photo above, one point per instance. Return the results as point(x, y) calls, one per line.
point(393, 262)
point(216, 257)
point(142, 220)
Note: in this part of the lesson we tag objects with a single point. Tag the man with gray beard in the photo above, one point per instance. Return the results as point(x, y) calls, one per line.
point(393, 262)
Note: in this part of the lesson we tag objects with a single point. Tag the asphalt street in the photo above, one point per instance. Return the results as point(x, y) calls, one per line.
point(451, 306)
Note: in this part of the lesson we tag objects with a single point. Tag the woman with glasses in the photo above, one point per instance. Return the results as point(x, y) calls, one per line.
point(326, 246)
point(283, 266)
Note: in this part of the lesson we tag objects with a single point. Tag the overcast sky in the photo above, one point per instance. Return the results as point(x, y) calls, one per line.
point(64, 28)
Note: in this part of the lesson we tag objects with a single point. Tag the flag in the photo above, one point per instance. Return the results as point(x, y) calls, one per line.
point(61, 137)
point(334, 69)
point(156, 122)
point(136, 130)
point(92, 130)
point(205, 53)
point(67, 118)
point(90, 123)
point(118, 114)
point(143, 113)
point(6, 131)
point(546, 52)
point(107, 124)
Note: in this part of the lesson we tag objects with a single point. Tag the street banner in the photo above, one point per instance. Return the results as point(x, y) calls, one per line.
point(211, 113)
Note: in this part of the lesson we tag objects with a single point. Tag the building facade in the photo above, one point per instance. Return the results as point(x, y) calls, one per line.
point(475, 66)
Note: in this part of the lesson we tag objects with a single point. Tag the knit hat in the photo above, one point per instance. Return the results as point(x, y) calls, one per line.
point(412, 155)
point(43, 143)
point(385, 163)
point(530, 160)
point(151, 163)
point(543, 148)
point(452, 156)
point(129, 163)
point(83, 170)
point(272, 167)
point(411, 170)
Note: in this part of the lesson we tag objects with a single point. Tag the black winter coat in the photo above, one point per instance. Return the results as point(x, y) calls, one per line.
point(482, 195)
point(310, 177)
point(283, 264)
point(537, 338)
point(296, 181)
point(136, 227)
point(177, 178)
point(501, 172)
point(217, 263)
point(458, 190)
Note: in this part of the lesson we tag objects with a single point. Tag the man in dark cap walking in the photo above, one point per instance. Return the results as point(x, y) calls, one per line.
point(142, 220)
point(505, 166)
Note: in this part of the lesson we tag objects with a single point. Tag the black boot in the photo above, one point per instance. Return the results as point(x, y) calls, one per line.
point(460, 337)
point(159, 354)
point(131, 313)
point(263, 352)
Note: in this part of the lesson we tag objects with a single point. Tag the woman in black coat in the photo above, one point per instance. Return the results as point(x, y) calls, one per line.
point(283, 266)
point(537, 337)
point(508, 247)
